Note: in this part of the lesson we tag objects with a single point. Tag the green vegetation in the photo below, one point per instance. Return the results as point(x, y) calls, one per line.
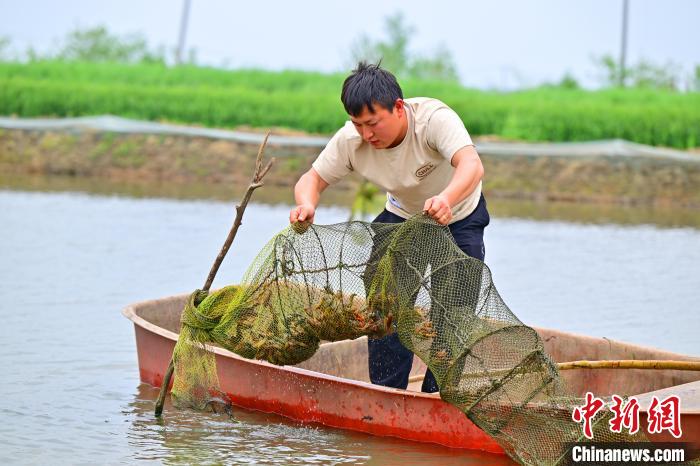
point(4, 46)
point(310, 101)
point(97, 44)
point(395, 54)
point(644, 74)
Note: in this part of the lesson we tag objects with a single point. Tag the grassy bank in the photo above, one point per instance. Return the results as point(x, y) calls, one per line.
point(310, 102)
point(182, 160)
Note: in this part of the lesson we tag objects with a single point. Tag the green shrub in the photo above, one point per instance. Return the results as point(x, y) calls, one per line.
point(310, 101)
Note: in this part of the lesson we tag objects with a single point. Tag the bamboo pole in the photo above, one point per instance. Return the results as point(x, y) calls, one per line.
point(632, 364)
point(255, 183)
point(649, 364)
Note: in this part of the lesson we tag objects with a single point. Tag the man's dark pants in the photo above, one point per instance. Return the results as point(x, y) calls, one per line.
point(389, 361)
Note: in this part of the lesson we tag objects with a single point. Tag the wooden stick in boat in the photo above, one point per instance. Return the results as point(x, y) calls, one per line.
point(612, 364)
point(255, 183)
point(631, 364)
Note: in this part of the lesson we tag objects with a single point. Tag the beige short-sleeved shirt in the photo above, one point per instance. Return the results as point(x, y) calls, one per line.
point(415, 170)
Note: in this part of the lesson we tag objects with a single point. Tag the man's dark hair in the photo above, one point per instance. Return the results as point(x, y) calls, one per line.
point(369, 85)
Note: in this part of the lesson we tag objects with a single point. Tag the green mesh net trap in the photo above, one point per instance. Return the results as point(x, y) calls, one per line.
point(334, 282)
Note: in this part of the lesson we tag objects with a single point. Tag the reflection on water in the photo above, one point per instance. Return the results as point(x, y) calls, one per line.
point(69, 262)
point(660, 216)
point(664, 217)
point(236, 437)
point(249, 437)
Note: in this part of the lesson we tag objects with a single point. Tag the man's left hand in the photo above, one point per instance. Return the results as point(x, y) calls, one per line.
point(439, 208)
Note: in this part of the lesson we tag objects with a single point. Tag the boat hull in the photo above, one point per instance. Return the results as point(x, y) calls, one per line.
point(308, 396)
point(335, 394)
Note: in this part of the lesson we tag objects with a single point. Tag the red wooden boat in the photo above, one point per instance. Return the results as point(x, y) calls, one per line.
point(333, 388)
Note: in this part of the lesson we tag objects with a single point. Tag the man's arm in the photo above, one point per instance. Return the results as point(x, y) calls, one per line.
point(307, 193)
point(468, 173)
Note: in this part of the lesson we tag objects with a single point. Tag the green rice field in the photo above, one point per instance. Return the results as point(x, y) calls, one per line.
point(309, 101)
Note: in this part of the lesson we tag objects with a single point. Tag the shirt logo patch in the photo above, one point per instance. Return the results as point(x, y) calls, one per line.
point(425, 170)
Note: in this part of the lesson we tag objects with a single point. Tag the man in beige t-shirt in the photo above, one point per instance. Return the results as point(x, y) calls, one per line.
point(420, 153)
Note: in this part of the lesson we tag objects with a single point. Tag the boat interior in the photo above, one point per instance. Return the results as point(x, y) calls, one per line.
point(348, 359)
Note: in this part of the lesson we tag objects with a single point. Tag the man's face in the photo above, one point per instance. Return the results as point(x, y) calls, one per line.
point(383, 128)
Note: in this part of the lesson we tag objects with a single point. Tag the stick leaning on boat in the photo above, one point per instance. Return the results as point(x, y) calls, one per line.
point(255, 183)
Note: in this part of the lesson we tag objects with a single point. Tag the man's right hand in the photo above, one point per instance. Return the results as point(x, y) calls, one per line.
point(301, 213)
point(307, 192)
